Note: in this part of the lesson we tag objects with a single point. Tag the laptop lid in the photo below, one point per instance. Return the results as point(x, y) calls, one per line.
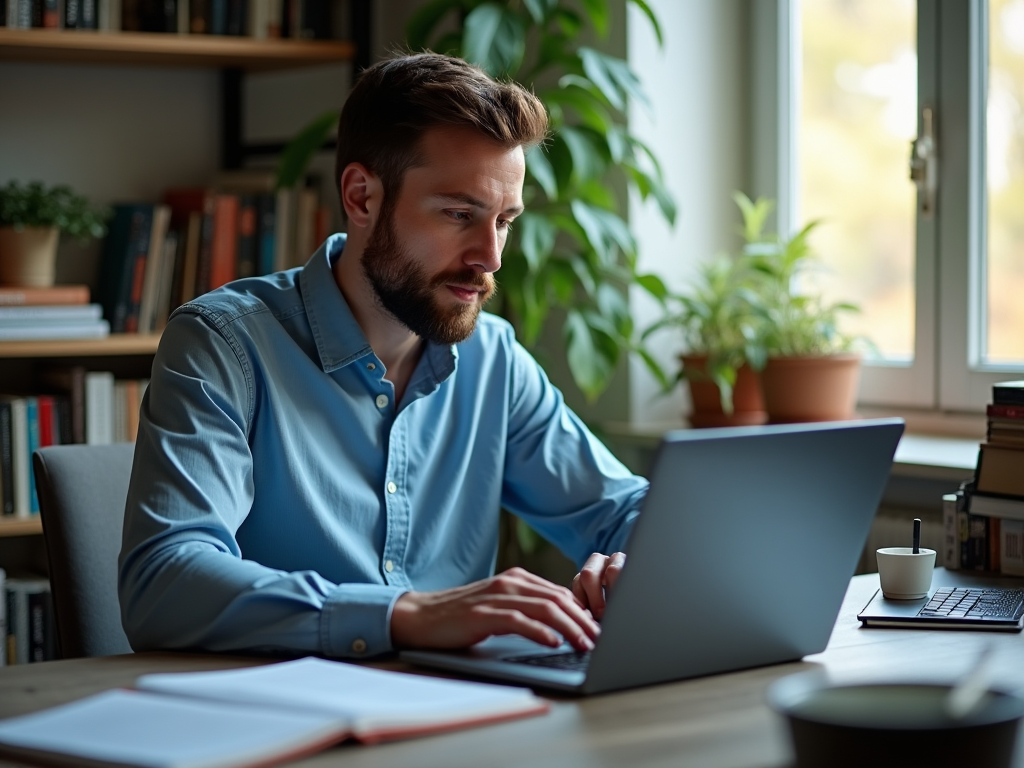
point(741, 556)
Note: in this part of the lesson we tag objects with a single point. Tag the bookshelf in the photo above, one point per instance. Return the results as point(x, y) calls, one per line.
point(21, 527)
point(117, 344)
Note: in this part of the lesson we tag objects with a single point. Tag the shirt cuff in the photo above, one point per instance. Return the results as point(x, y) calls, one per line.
point(355, 621)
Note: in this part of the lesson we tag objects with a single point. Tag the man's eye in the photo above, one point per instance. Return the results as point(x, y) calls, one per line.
point(505, 224)
point(458, 215)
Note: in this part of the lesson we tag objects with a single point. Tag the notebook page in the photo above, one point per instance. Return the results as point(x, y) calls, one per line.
point(368, 698)
point(143, 729)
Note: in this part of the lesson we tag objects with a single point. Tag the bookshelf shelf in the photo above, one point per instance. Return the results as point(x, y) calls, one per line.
point(167, 50)
point(31, 526)
point(114, 345)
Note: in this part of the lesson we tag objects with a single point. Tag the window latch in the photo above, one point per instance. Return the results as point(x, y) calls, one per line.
point(924, 164)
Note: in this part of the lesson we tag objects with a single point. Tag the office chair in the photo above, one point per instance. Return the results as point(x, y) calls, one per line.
point(82, 491)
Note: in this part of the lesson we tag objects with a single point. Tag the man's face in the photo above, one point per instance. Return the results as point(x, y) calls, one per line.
point(434, 249)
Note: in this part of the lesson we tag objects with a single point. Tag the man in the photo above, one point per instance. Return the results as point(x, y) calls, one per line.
point(323, 452)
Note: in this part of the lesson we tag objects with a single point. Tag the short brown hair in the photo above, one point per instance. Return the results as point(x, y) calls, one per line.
point(397, 100)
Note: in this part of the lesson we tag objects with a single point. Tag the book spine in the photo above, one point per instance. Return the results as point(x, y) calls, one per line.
point(119, 414)
point(6, 465)
point(950, 537)
point(199, 17)
point(1011, 547)
point(224, 254)
point(3, 618)
point(32, 420)
point(58, 295)
point(46, 421)
point(99, 407)
point(1010, 393)
point(36, 627)
point(51, 14)
point(72, 14)
point(218, 17)
point(89, 17)
point(247, 236)
point(19, 456)
point(10, 597)
point(1005, 411)
point(65, 421)
point(205, 256)
point(977, 543)
point(267, 204)
point(21, 631)
point(994, 538)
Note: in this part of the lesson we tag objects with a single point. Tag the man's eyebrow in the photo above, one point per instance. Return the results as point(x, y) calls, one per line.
point(464, 199)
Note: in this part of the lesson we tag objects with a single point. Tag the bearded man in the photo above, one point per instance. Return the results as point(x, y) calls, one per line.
point(323, 452)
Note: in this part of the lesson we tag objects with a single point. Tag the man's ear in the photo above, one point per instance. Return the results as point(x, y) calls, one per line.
point(361, 195)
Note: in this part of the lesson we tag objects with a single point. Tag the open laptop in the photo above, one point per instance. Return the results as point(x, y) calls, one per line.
point(741, 557)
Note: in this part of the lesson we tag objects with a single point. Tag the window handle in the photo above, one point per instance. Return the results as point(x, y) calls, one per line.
point(924, 164)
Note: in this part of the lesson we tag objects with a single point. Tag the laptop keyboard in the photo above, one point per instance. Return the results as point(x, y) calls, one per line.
point(963, 603)
point(572, 661)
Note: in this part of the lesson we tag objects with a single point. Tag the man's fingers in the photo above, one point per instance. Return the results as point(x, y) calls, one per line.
point(614, 569)
point(506, 610)
point(590, 577)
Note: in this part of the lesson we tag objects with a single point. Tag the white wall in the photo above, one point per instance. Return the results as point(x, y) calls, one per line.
point(698, 130)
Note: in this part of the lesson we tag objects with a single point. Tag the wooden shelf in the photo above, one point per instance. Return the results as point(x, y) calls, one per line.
point(22, 526)
point(168, 50)
point(114, 345)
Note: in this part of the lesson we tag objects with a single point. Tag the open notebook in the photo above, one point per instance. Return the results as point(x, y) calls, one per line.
point(256, 716)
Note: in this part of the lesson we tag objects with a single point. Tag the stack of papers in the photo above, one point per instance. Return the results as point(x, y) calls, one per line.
point(255, 716)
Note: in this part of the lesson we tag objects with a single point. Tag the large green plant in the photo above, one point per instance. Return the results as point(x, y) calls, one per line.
point(571, 249)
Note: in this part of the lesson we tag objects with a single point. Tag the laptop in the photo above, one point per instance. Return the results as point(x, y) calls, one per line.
point(741, 557)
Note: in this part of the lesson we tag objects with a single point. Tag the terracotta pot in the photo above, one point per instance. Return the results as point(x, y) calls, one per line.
point(810, 388)
point(748, 405)
point(28, 256)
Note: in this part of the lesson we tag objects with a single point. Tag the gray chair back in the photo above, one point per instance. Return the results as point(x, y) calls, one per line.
point(82, 491)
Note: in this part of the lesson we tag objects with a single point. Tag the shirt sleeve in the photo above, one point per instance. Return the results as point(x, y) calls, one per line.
point(559, 477)
point(183, 581)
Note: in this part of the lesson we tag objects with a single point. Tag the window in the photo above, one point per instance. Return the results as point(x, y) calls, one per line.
point(941, 290)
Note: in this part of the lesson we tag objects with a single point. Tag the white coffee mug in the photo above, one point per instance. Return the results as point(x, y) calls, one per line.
point(905, 575)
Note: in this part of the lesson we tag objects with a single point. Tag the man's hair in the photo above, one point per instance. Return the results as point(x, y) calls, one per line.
point(397, 100)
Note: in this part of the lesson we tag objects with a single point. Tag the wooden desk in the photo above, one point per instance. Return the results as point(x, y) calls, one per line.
point(715, 721)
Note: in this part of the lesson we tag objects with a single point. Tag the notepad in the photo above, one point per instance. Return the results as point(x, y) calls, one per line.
point(255, 716)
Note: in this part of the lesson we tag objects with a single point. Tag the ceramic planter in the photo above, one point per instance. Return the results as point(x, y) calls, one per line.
point(28, 256)
point(748, 405)
point(810, 388)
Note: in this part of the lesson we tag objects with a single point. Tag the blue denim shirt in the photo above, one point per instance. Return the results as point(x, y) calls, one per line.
point(281, 499)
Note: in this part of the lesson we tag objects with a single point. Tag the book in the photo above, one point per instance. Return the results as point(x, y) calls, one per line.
point(950, 557)
point(32, 430)
point(126, 245)
point(1008, 393)
point(256, 716)
point(99, 407)
point(1000, 469)
point(1010, 508)
point(6, 459)
point(165, 294)
point(154, 270)
point(248, 237)
point(98, 329)
point(224, 249)
point(24, 296)
point(1011, 547)
point(24, 606)
point(68, 381)
point(19, 467)
point(12, 317)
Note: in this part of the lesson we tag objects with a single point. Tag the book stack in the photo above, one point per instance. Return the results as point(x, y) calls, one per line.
point(81, 407)
point(988, 533)
point(159, 256)
point(309, 19)
point(57, 312)
point(27, 626)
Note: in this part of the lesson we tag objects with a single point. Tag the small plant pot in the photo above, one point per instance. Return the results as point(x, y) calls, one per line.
point(706, 398)
point(810, 388)
point(28, 256)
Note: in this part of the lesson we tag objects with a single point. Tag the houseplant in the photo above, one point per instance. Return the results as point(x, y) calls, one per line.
point(32, 217)
point(571, 250)
point(811, 368)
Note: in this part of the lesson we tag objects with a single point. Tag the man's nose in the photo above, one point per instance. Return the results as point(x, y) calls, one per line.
point(486, 251)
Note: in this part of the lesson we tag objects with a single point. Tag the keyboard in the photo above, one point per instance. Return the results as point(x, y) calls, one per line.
point(571, 661)
point(961, 603)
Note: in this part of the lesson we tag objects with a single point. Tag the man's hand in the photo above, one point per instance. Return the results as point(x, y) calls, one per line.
point(597, 576)
point(515, 602)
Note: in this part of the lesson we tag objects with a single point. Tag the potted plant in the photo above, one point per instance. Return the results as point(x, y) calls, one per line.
point(811, 368)
point(32, 217)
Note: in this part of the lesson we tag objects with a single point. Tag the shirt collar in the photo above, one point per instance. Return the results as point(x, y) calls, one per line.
point(339, 338)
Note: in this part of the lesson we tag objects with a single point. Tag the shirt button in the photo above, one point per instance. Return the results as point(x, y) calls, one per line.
point(382, 401)
point(371, 367)
point(392, 487)
point(359, 645)
point(389, 566)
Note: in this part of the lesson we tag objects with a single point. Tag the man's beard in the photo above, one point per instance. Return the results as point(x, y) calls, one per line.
point(404, 290)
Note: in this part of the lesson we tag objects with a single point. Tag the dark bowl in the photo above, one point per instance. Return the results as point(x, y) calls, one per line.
point(893, 724)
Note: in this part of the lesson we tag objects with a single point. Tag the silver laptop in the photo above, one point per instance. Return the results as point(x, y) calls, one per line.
point(740, 558)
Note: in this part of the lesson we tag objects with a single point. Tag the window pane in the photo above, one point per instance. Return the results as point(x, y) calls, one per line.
point(1005, 173)
point(858, 116)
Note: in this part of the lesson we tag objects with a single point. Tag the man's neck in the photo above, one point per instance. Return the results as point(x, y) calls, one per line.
point(398, 348)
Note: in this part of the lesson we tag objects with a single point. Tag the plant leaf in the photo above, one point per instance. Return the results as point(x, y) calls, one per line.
point(643, 6)
point(425, 19)
point(588, 162)
point(597, 10)
point(540, 9)
point(614, 77)
point(536, 238)
point(590, 369)
point(604, 230)
point(654, 285)
point(494, 38)
point(539, 166)
point(297, 154)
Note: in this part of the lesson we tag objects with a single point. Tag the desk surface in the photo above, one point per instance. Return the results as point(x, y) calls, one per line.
point(713, 721)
